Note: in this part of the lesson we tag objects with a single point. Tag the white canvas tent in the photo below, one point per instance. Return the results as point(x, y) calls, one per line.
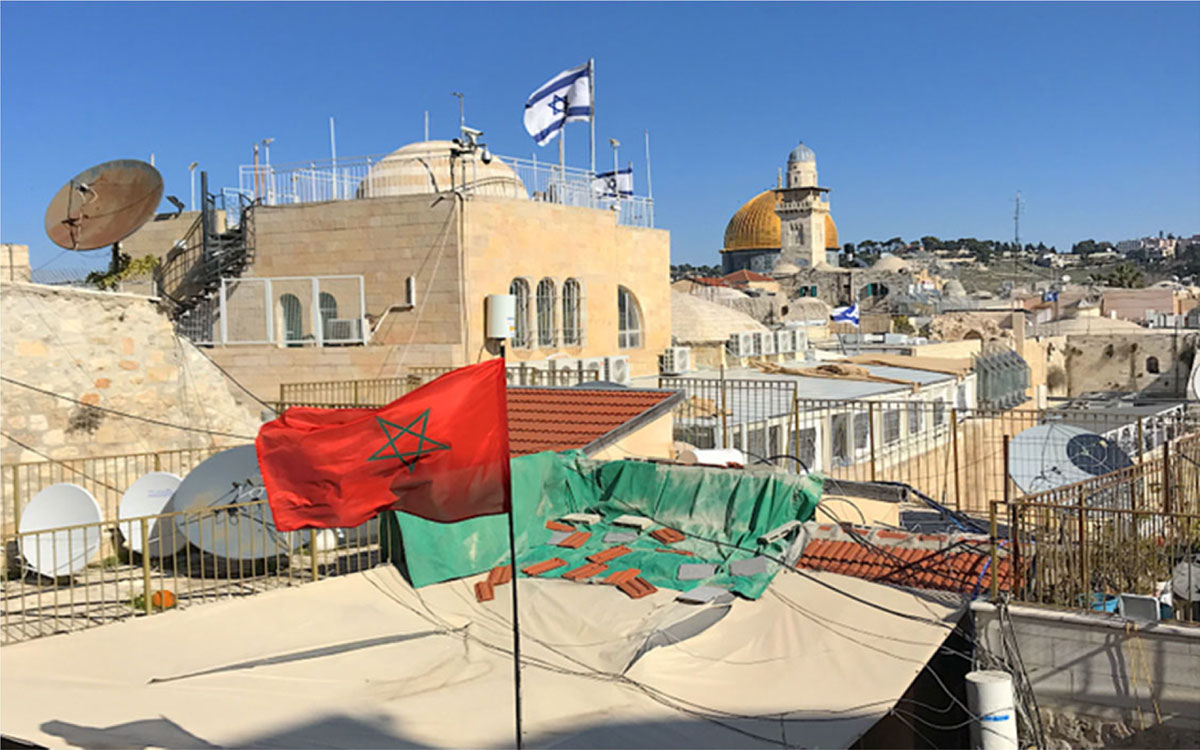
point(365, 661)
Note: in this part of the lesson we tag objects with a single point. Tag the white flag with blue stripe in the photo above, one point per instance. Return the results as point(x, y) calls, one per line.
point(609, 184)
point(567, 97)
point(846, 314)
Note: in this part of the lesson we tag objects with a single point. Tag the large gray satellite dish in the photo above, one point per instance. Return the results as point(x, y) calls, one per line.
point(60, 553)
point(151, 495)
point(238, 533)
point(1054, 455)
point(104, 204)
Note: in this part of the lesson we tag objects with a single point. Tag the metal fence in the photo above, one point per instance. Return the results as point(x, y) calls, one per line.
point(381, 391)
point(350, 178)
point(284, 310)
point(934, 440)
point(163, 562)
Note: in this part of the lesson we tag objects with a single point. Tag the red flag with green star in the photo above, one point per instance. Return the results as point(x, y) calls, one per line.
point(440, 452)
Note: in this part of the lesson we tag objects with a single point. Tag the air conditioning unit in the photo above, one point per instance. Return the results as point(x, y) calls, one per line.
point(675, 360)
point(785, 341)
point(617, 369)
point(594, 369)
point(564, 371)
point(741, 344)
point(766, 342)
point(348, 329)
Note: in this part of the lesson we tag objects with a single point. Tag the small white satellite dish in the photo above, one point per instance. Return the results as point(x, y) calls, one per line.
point(60, 553)
point(150, 495)
point(1054, 455)
point(1194, 380)
point(237, 533)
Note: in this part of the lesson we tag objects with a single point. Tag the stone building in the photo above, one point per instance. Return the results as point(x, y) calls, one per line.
point(363, 270)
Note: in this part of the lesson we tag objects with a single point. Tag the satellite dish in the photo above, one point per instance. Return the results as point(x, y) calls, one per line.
point(60, 553)
point(1194, 380)
point(104, 205)
point(227, 478)
point(1055, 454)
point(151, 495)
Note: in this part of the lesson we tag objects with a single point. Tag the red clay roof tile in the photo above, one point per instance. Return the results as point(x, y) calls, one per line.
point(576, 540)
point(621, 576)
point(585, 571)
point(543, 567)
point(667, 536)
point(919, 568)
point(500, 575)
point(541, 419)
point(611, 553)
point(559, 526)
point(484, 591)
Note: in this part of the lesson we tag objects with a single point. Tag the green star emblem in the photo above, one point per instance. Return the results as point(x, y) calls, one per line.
point(393, 432)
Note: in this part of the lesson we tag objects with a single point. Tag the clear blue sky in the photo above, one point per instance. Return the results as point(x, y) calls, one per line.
point(926, 118)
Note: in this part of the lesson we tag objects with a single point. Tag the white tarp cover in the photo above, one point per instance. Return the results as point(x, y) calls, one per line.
point(365, 661)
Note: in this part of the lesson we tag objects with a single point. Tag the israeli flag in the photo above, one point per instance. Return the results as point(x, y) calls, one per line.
point(846, 314)
point(609, 184)
point(567, 97)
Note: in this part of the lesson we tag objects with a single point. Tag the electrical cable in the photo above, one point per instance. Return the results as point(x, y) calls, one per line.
point(59, 462)
point(226, 373)
point(148, 420)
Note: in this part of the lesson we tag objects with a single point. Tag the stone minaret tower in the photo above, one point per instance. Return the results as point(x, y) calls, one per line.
point(802, 210)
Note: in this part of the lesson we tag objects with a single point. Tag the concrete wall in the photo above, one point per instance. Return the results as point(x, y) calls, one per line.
point(114, 351)
point(1106, 674)
point(14, 262)
point(1132, 304)
point(1122, 362)
point(508, 239)
point(655, 440)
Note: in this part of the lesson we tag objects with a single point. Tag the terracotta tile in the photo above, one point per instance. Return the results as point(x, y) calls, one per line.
point(676, 551)
point(611, 553)
point(888, 534)
point(484, 592)
point(500, 575)
point(576, 540)
point(637, 588)
point(585, 571)
point(621, 576)
point(559, 526)
point(543, 567)
point(667, 536)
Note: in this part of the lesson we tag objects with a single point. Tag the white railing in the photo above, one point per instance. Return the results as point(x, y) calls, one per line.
point(281, 310)
point(361, 177)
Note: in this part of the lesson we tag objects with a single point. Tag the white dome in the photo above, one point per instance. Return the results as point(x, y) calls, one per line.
point(408, 170)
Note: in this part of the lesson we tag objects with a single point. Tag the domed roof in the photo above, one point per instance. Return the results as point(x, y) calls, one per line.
point(756, 226)
point(889, 262)
point(695, 320)
point(801, 153)
point(402, 173)
point(784, 268)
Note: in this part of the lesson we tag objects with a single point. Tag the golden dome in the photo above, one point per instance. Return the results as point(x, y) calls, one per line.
point(756, 226)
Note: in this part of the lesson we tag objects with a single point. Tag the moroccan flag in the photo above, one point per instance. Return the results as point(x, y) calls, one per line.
point(440, 452)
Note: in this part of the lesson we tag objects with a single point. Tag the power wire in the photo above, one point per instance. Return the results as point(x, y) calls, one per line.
point(72, 469)
point(148, 420)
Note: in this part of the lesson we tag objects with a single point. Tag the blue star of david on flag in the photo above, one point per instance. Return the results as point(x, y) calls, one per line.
point(567, 97)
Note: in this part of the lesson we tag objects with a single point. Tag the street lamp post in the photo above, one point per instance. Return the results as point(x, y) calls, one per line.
point(267, 174)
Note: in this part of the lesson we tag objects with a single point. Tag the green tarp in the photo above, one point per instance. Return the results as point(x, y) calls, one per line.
point(723, 513)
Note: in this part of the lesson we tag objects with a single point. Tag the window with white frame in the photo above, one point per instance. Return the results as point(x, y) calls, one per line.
point(519, 289)
point(891, 426)
point(572, 313)
point(293, 319)
point(629, 320)
point(939, 411)
point(547, 334)
point(915, 416)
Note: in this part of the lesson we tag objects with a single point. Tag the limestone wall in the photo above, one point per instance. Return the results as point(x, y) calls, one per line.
point(113, 351)
point(509, 239)
point(1116, 362)
point(14, 262)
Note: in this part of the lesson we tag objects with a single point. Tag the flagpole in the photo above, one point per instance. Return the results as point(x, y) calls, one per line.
point(512, 557)
point(592, 117)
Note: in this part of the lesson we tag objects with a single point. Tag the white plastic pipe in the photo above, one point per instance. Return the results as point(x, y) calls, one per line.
point(990, 696)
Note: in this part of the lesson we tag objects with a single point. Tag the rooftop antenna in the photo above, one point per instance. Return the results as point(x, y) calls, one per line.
point(426, 126)
point(462, 120)
point(1016, 235)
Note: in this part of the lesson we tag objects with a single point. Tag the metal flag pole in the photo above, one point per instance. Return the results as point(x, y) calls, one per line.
point(512, 557)
point(649, 182)
point(592, 116)
point(333, 157)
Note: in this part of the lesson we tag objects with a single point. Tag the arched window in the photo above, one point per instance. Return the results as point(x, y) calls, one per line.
point(328, 305)
point(519, 288)
point(547, 335)
point(572, 313)
point(629, 320)
point(1152, 365)
point(293, 318)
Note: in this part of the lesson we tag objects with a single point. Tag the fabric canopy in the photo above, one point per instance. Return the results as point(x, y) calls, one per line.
point(367, 661)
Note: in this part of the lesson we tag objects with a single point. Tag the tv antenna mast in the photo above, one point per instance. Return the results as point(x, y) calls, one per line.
point(1017, 222)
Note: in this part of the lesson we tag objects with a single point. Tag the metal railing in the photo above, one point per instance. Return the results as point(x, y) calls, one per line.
point(942, 447)
point(355, 177)
point(382, 391)
point(162, 562)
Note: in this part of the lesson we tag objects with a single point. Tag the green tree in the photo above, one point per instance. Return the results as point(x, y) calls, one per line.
point(1124, 276)
point(124, 268)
